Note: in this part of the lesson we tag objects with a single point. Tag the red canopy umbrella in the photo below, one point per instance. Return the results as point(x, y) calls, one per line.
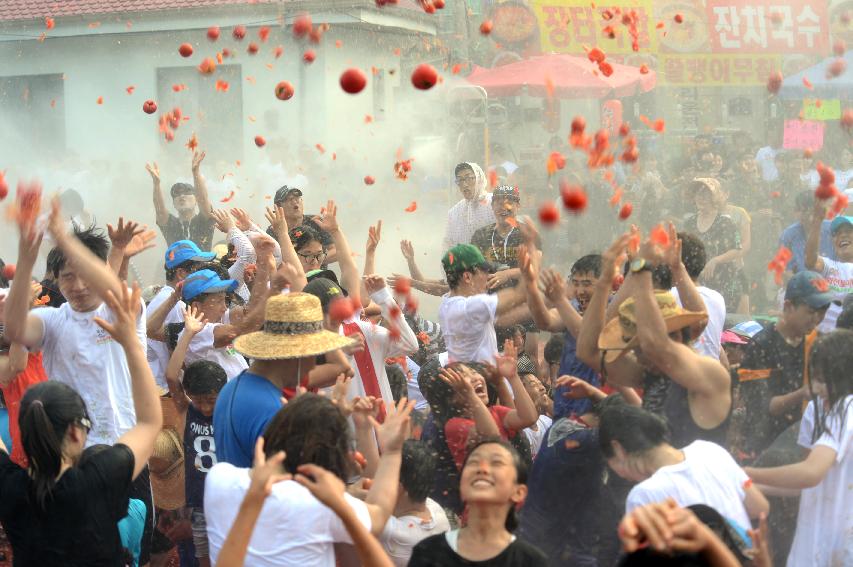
point(569, 76)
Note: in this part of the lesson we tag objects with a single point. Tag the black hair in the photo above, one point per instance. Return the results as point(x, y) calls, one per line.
point(662, 277)
point(310, 429)
point(204, 377)
point(693, 254)
point(636, 429)
point(830, 361)
point(184, 188)
point(845, 319)
point(47, 410)
point(92, 238)
point(3, 281)
point(214, 266)
point(518, 330)
point(511, 522)
point(173, 332)
point(417, 471)
point(554, 349)
point(438, 393)
point(462, 167)
point(454, 277)
point(301, 235)
point(188, 265)
point(587, 264)
point(90, 452)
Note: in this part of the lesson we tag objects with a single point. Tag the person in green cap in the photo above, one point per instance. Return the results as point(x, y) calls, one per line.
point(467, 313)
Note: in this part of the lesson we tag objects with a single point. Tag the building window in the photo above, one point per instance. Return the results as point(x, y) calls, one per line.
point(216, 116)
point(33, 113)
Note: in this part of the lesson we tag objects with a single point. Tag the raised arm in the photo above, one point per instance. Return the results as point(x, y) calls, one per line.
point(22, 326)
point(160, 210)
point(328, 221)
point(201, 196)
point(157, 319)
point(146, 399)
point(13, 363)
point(805, 474)
point(402, 340)
point(275, 216)
point(691, 300)
point(193, 324)
point(460, 381)
point(525, 413)
point(557, 292)
point(409, 254)
point(374, 235)
point(544, 318)
point(127, 239)
point(812, 258)
point(89, 267)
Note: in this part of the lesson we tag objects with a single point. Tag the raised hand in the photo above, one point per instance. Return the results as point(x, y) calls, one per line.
point(373, 283)
point(507, 362)
point(328, 219)
point(395, 429)
point(224, 222)
point(459, 381)
point(614, 257)
point(407, 249)
point(284, 276)
point(125, 312)
point(339, 395)
point(325, 486)
point(242, 219)
point(141, 242)
point(154, 171)
point(275, 216)
point(374, 235)
point(194, 321)
point(528, 231)
point(553, 285)
point(266, 472)
point(198, 157)
point(123, 232)
point(578, 388)
point(363, 408)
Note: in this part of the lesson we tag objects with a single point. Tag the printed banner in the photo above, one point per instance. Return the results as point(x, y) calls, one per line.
point(716, 70)
point(816, 109)
point(777, 26)
point(803, 135)
point(566, 26)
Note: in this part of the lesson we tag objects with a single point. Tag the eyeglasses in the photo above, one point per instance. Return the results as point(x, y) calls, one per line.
point(466, 179)
point(85, 423)
point(318, 257)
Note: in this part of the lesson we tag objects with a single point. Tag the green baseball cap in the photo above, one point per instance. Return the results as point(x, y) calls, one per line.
point(464, 258)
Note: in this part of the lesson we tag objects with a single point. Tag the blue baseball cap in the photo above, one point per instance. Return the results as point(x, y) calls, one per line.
point(205, 281)
point(184, 251)
point(839, 222)
point(811, 288)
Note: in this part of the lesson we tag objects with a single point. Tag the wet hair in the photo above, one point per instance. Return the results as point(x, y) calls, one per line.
point(693, 254)
point(453, 277)
point(92, 238)
point(830, 362)
point(189, 266)
point(438, 393)
point(310, 429)
point(511, 522)
point(173, 332)
point(417, 471)
point(215, 266)
point(204, 377)
point(47, 410)
point(637, 430)
point(302, 235)
point(845, 319)
point(662, 277)
point(460, 167)
point(554, 349)
point(591, 263)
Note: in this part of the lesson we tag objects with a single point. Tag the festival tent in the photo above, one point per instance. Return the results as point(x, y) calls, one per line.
point(566, 76)
point(823, 87)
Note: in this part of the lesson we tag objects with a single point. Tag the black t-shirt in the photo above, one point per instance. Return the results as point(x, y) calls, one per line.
point(80, 524)
point(770, 367)
point(502, 250)
point(199, 454)
point(199, 229)
point(434, 551)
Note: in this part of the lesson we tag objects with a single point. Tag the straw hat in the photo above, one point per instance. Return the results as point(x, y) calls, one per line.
point(167, 470)
point(293, 328)
point(620, 334)
point(708, 184)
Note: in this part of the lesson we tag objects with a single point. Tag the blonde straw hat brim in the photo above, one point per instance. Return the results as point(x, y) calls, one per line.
point(168, 488)
point(612, 342)
point(262, 345)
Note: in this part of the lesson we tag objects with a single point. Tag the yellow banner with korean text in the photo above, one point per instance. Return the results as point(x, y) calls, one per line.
point(706, 69)
point(566, 26)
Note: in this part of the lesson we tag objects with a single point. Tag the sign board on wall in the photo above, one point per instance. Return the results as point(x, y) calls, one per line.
point(803, 135)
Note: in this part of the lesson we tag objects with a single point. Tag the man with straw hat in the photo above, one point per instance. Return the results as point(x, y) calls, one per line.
point(283, 353)
point(648, 346)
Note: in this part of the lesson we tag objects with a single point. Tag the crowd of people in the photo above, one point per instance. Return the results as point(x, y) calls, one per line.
point(653, 398)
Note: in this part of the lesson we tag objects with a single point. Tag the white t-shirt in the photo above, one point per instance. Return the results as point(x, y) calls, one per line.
point(824, 535)
point(294, 528)
point(468, 324)
point(766, 160)
point(402, 534)
point(708, 343)
point(535, 437)
point(81, 354)
point(839, 275)
point(158, 351)
point(707, 475)
point(201, 348)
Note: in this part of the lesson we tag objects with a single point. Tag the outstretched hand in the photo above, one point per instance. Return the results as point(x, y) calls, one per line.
point(374, 235)
point(328, 219)
point(395, 429)
point(154, 170)
point(578, 387)
point(507, 362)
point(125, 311)
point(275, 216)
point(224, 222)
point(407, 249)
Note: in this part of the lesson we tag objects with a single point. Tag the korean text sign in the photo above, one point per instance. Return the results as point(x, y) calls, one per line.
point(776, 26)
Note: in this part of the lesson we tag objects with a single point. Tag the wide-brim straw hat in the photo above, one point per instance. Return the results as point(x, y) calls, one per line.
point(293, 328)
point(620, 334)
point(166, 467)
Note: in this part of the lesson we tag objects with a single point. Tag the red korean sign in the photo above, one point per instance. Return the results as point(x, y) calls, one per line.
point(775, 26)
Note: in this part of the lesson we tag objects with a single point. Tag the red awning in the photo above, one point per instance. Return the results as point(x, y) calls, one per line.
point(570, 76)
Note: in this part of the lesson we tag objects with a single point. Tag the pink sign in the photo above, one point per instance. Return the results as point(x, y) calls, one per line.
point(768, 26)
point(803, 135)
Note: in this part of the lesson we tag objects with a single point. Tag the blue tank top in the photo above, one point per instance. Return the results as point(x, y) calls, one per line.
point(199, 454)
